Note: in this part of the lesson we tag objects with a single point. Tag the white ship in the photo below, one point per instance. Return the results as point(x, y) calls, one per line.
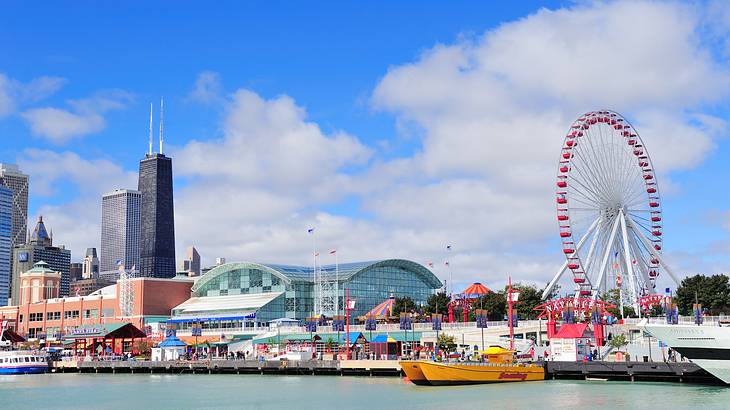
point(707, 346)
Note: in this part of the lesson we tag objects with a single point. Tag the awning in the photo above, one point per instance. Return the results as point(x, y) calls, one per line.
point(398, 337)
point(233, 305)
point(106, 331)
point(12, 337)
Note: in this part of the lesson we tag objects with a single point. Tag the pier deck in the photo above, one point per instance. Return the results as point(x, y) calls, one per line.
point(303, 367)
point(629, 371)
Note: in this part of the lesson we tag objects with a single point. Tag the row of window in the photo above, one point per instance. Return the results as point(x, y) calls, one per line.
point(24, 359)
point(69, 315)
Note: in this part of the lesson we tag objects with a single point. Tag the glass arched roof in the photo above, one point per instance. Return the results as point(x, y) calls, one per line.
point(345, 271)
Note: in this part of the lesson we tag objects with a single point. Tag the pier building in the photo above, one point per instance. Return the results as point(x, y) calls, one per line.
point(247, 294)
point(50, 317)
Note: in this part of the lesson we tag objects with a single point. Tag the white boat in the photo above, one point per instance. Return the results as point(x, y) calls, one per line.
point(23, 362)
point(707, 346)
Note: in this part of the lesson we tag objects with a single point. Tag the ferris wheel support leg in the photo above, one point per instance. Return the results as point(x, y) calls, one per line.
point(591, 252)
point(562, 269)
point(629, 263)
point(654, 253)
point(643, 269)
point(606, 255)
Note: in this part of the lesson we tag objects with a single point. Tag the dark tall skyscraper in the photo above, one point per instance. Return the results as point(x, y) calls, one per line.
point(157, 215)
point(157, 235)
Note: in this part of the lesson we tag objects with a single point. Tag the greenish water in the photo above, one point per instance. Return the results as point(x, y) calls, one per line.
point(92, 391)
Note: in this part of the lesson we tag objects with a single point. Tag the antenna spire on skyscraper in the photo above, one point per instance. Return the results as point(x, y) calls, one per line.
point(150, 128)
point(162, 120)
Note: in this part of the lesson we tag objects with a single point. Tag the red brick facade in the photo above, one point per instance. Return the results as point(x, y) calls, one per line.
point(152, 297)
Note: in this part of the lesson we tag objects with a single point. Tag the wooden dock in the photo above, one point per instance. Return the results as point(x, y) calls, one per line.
point(629, 371)
point(299, 367)
point(596, 370)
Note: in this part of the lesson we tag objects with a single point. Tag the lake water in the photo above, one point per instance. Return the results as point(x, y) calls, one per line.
point(104, 391)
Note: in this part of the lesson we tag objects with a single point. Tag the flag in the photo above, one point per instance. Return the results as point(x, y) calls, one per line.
point(446, 263)
point(513, 296)
point(119, 262)
point(310, 230)
point(633, 262)
point(333, 251)
point(316, 254)
point(430, 264)
point(351, 304)
point(615, 255)
point(448, 247)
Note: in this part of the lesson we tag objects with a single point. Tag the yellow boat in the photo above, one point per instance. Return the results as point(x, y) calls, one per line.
point(498, 369)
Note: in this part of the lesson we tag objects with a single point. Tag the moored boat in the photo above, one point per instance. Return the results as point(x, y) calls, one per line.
point(498, 369)
point(22, 362)
point(707, 346)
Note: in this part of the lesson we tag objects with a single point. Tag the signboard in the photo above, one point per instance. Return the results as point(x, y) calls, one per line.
point(23, 257)
point(85, 330)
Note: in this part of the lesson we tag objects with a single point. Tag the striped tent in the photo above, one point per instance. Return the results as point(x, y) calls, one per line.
point(475, 291)
point(383, 310)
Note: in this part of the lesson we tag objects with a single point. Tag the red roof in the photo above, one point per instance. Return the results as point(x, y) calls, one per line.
point(571, 331)
point(475, 290)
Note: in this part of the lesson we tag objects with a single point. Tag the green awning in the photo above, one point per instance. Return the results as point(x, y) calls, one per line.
point(108, 331)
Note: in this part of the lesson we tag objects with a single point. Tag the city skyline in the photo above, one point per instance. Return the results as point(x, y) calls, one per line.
point(390, 144)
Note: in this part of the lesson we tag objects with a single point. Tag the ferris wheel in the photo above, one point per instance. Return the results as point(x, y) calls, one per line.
point(609, 210)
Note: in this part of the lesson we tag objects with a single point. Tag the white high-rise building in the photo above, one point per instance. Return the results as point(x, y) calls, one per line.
point(11, 177)
point(120, 229)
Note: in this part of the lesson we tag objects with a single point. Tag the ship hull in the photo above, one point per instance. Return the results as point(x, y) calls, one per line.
point(707, 346)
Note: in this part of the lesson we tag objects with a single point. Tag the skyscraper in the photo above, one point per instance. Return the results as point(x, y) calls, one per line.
point(6, 234)
point(90, 265)
point(191, 264)
point(11, 177)
point(120, 229)
point(40, 248)
point(157, 251)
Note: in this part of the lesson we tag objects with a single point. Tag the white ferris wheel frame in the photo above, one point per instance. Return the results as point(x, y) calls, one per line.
point(614, 186)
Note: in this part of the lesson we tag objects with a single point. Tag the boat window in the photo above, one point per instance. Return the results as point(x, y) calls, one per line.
point(27, 359)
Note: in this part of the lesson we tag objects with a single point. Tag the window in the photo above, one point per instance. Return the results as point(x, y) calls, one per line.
point(71, 314)
point(91, 313)
point(36, 317)
point(53, 316)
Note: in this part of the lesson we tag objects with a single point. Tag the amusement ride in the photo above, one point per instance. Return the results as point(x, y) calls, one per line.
point(608, 211)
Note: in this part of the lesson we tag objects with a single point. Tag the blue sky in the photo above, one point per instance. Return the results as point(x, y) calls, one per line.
point(399, 97)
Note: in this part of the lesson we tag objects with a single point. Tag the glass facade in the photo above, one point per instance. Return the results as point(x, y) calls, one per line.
point(369, 284)
point(6, 239)
point(157, 219)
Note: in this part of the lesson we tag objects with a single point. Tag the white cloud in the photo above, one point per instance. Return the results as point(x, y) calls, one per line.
point(207, 89)
point(76, 224)
point(84, 117)
point(13, 92)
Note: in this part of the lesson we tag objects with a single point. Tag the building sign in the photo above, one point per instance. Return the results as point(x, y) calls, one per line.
point(23, 257)
point(85, 330)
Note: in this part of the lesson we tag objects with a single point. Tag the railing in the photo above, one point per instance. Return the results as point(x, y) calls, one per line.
point(384, 327)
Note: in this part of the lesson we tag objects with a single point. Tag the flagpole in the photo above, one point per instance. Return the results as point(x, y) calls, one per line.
point(337, 286)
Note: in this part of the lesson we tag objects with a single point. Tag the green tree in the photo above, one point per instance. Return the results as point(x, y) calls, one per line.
point(618, 342)
point(495, 303)
point(529, 298)
point(404, 304)
point(713, 292)
point(446, 343)
point(612, 297)
point(438, 303)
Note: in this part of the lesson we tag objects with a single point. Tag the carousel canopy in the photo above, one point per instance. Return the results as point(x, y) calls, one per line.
point(172, 341)
point(475, 290)
point(384, 309)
